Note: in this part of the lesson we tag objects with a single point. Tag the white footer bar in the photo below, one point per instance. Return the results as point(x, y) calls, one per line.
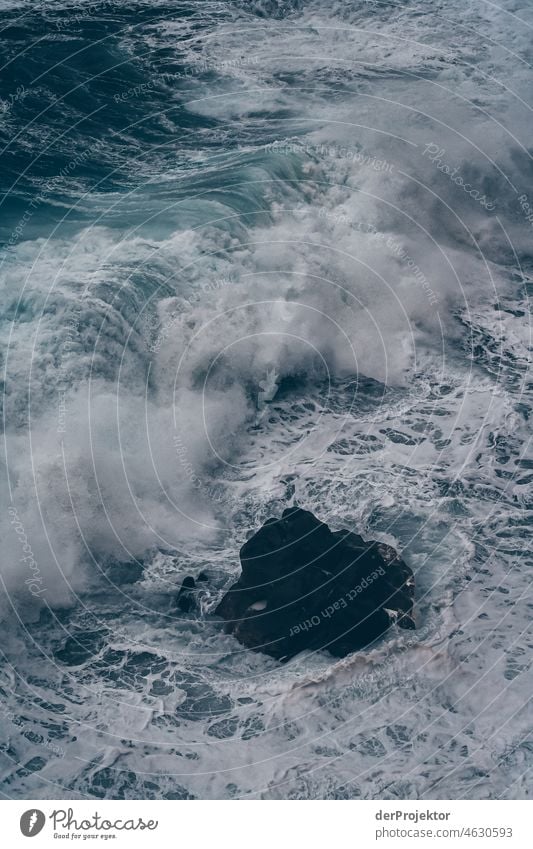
point(269, 824)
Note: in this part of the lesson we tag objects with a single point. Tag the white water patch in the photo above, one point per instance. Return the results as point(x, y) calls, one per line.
point(136, 398)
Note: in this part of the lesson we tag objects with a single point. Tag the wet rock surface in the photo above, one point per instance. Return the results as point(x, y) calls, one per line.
point(188, 597)
point(303, 586)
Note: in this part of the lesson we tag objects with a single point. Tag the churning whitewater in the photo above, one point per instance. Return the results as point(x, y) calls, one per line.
point(255, 255)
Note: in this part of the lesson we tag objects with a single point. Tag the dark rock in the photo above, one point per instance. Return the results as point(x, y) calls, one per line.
point(304, 587)
point(190, 593)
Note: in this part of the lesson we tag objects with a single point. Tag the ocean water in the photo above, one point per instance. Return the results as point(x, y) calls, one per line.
point(254, 254)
